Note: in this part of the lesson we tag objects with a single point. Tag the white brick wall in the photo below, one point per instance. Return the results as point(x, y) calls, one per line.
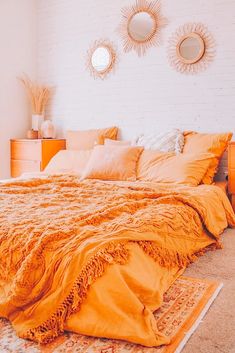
point(144, 93)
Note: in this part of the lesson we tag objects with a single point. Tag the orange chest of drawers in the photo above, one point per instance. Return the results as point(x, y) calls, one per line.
point(231, 172)
point(33, 155)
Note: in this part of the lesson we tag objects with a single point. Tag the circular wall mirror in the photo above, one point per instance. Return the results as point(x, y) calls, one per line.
point(191, 48)
point(101, 59)
point(142, 26)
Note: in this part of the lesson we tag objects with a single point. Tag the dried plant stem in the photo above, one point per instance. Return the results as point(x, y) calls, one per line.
point(38, 95)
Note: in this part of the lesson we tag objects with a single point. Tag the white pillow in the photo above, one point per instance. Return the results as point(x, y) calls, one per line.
point(171, 141)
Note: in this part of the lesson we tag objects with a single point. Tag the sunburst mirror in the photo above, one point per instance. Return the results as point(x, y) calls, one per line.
point(101, 58)
point(141, 25)
point(191, 48)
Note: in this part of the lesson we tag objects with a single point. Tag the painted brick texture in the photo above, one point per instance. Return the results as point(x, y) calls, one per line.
point(143, 94)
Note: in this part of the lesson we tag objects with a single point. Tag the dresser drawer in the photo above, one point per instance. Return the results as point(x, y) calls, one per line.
point(231, 155)
point(18, 167)
point(231, 181)
point(26, 150)
point(33, 155)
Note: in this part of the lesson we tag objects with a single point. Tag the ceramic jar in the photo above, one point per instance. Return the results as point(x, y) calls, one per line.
point(47, 130)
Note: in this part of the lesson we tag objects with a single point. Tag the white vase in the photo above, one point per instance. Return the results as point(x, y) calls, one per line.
point(37, 120)
point(47, 130)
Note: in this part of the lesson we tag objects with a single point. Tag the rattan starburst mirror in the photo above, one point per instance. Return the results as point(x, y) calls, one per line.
point(191, 48)
point(101, 58)
point(141, 25)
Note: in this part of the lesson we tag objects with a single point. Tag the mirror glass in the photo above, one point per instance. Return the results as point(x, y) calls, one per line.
point(191, 47)
point(101, 59)
point(141, 26)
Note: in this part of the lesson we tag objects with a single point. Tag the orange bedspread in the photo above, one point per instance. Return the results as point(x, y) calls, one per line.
point(96, 257)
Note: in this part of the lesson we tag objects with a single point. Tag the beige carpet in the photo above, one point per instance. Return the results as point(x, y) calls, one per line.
point(216, 334)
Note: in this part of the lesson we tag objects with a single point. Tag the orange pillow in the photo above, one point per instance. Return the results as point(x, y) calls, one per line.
point(163, 167)
point(113, 163)
point(207, 143)
point(109, 142)
point(86, 140)
point(68, 162)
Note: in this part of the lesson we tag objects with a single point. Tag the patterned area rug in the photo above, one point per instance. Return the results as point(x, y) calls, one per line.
point(185, 304)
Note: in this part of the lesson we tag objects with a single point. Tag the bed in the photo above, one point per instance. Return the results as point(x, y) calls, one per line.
point(95, 257)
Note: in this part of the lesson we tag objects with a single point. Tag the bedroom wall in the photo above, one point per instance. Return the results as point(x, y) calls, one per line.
point(144, 93)
point(18, 50)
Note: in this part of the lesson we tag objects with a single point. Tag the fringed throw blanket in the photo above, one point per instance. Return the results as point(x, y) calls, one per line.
point(59, 236)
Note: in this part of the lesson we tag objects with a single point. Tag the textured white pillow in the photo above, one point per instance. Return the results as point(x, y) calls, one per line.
point(171, 141)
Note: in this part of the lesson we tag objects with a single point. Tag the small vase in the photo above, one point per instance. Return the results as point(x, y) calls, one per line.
point(47, 130)
point(37, 120)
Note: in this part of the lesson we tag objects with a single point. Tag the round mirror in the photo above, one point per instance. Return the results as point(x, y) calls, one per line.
point(142, 26)
point(101, 59)
point(191, 48)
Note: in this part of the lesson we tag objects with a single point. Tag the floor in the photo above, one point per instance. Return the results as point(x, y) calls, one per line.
point(216, 334)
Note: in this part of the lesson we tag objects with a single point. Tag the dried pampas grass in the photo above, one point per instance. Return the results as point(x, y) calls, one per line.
point(39, 95)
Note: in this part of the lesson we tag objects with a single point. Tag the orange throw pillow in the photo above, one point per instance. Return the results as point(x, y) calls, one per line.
point(86, 140)
point(207, 143)
point(68, 162)
point(113, 163)
point(188, 169)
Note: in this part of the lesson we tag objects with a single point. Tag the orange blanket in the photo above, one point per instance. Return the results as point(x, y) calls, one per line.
point(62, 241)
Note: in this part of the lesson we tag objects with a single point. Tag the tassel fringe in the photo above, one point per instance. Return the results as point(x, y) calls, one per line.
point(95, 268)
point(169, 258)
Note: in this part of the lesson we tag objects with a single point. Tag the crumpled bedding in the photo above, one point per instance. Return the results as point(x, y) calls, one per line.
point(96, 257)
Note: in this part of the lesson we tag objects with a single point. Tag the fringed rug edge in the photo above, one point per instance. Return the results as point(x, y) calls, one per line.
point(213, 293)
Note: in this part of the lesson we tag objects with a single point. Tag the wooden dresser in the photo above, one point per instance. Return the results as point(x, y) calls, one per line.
point(33, 155)
point(231, 172)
